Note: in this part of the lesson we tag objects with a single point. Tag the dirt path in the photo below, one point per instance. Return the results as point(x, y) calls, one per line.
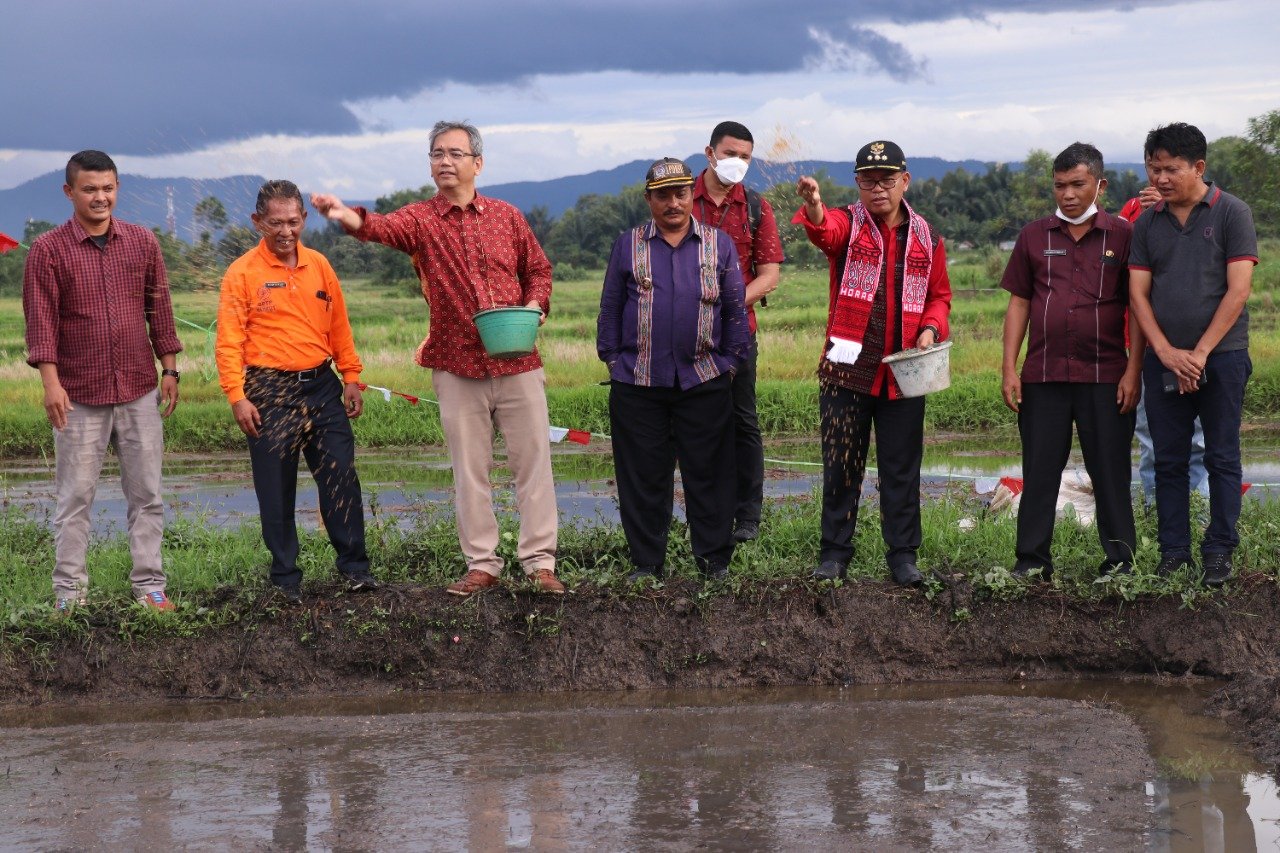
point(417, 639)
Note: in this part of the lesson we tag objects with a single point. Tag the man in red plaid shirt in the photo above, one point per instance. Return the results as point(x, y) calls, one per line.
point(96, 299)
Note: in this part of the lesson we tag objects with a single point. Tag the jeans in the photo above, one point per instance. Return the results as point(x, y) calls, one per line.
point(1171, 417)
point(1147, 457)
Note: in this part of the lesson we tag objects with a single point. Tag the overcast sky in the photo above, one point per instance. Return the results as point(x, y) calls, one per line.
point(339, 95)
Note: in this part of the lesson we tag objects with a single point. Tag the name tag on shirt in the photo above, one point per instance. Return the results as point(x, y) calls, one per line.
point(1054, 252)
point(273, 284)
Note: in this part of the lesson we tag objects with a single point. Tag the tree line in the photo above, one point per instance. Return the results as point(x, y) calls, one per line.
point(968, 209)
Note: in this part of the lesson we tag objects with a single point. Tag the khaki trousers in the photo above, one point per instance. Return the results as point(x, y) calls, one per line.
point(517, 406)
point(136, 432)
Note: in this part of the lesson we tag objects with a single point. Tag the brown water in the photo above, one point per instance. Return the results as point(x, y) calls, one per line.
point(922, 767)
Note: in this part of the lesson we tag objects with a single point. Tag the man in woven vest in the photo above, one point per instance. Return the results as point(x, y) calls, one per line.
point(722, 200)
point(672, 329)
point(889, 292)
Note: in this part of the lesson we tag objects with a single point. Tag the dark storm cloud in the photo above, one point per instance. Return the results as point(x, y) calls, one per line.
point(156, 76)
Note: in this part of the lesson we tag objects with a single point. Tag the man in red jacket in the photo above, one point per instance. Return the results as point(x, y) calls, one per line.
point(889, 292)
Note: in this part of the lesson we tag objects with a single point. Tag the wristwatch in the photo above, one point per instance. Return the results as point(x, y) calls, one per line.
point(176, 374)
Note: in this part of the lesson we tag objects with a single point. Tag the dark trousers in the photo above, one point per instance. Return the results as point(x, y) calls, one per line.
point(847, 418)
point(1172, 417)
point(655, 428)
point(747, 443)
point(1106, 437)
point(307, 416)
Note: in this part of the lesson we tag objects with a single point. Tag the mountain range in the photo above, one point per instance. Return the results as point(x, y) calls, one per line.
point(145, 200)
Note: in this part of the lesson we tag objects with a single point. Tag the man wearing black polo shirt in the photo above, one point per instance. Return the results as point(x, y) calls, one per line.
point(1067, 282)
point(721, 200)
point(1190, 274)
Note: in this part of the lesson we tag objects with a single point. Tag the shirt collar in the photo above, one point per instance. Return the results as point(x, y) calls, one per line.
point(441, 204)
point(81, 234)
point(271, 259)
point(737, 193)
point(1102, 221)
point(651, 230)
point(1210, 197)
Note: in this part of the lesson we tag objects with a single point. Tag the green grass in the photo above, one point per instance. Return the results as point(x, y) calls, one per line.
point(389, 323)
point(202, 558)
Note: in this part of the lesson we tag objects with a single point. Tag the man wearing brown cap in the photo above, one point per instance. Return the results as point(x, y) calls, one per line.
point(672, 329)
point(889, 291)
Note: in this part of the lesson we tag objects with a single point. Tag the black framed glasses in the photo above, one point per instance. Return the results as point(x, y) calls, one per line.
point(871, 183)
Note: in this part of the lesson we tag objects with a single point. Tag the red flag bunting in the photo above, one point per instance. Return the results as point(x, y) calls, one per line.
point(7, 243)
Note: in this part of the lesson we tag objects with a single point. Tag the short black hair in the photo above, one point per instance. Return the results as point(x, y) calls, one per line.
point(731, 128)
point(1177, 140)
point(278, 189)
point(1080, 154)
point(89, 160)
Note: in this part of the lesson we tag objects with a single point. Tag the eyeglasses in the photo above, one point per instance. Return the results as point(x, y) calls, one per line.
point(453, 155)
point(871, 183)
point(275, 226)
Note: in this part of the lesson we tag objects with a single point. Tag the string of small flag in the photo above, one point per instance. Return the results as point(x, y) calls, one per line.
point(8, 244)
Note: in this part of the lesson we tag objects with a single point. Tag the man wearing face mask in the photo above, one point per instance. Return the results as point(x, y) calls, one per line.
point(721, 200)
point(1068, 285)
point(889, 291)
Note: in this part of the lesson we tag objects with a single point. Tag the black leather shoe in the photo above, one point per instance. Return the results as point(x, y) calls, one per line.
point(906, 574)
point(1217, 568)
point(745, 531)
point(1042, 573)
point(829, 570)
point(641, 573)
point(1169, 565)
point(716, 573)
point(290, 594)
point(1106, 567)
point(361, 582)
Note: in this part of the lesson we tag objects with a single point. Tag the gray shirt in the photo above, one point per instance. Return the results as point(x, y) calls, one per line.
point(1188, 265)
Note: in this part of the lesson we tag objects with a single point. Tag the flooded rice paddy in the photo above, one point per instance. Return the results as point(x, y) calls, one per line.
point(1086, 766)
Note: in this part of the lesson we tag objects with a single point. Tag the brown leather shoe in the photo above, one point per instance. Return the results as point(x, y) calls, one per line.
point(546, 581)
point(472, 582)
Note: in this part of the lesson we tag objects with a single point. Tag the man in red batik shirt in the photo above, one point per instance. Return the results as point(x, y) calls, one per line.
point(474, 253)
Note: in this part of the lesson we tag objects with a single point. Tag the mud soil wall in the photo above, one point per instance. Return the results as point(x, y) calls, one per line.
point(418, 639)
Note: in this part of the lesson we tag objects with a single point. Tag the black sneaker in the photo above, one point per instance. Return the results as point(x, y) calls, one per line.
point(1217, 568)
point(829, 570)
point(745, 531)
point(1170, 565)
point(290, 594)
point(361, 582)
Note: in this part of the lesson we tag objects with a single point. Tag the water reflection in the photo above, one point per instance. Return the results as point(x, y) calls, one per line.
point(941, 767)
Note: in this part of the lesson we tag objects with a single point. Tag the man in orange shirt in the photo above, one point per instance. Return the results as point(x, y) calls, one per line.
point(282, 326)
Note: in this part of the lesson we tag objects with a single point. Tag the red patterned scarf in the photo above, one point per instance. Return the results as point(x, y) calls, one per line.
point(862, 276)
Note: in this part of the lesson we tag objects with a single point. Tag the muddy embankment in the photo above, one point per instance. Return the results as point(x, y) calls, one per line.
point(407, 638)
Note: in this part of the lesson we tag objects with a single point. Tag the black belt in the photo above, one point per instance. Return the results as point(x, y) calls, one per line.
point(307, 375)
